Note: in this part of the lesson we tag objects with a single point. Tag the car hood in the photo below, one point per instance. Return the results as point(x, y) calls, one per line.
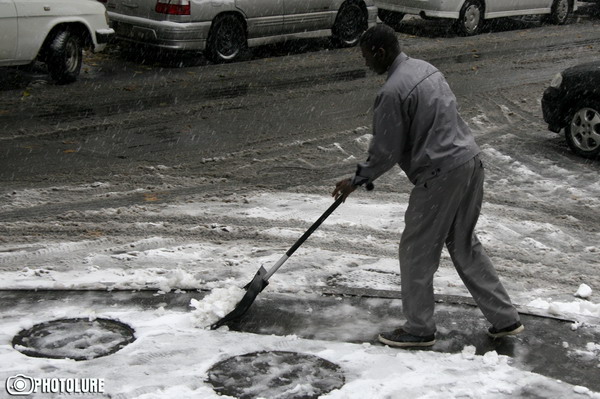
point(588, 68)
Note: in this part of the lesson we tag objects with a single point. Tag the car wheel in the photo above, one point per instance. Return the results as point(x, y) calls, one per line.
point(561, 9)
point(583, 131)
point(64, 57)
point(470, 18)
point(350, 23)
point(227, 39)
point(391, 18)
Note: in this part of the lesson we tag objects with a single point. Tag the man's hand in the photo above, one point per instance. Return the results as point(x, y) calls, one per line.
point(343, 188)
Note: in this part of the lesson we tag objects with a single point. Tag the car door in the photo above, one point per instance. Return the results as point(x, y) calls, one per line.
point(264, 17)
point(307, 15)
point(8, 30)
point(500, 6)
point(33, 19)
point(514, 7)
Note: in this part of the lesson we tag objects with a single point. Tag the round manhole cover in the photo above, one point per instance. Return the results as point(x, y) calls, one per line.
point(77, 339)
point(288, 375)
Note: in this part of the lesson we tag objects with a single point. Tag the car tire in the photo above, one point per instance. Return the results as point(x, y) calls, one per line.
point(227, 39)
point(560, 12)
point(350, 23)
point(470, 19)
point(390, 18)
point(64, 58)
point(583, 131)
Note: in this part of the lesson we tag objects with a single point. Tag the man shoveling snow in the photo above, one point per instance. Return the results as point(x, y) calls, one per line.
point(416, 125)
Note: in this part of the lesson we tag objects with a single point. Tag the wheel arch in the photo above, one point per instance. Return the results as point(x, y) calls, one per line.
point(360, 3)
point(211, 51)
point(239, 15)
point(576, 101)
point(79, 28)
point(482, 2)
point(574, 139)
point(571, 5)
point(461, 24)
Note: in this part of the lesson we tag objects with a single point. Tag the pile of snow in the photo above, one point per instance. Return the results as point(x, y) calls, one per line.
point(215, 305)
point(584, 291)
point(580, 307)
point(178, 279)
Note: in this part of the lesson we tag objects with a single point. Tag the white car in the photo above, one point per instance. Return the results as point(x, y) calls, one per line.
point(471, 14)
point(52, 31)
point(223, 28)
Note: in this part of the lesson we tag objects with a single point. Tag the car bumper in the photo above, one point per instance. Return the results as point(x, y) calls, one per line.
point(104, 36)
point(163, 34)
point(551, 109)
point(371, 16)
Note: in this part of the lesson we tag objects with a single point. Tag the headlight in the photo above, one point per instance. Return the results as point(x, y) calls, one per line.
point(556, 82)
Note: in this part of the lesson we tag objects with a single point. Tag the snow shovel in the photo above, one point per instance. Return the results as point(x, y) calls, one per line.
point(261, 279)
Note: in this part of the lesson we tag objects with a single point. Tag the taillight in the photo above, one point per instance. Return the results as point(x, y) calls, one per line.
point(173, 7)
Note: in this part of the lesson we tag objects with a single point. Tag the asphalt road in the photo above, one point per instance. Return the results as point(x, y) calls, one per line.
point(131, 110)
point(140, 127)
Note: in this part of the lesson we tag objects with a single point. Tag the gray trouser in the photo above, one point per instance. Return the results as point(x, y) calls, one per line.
point(445, 210)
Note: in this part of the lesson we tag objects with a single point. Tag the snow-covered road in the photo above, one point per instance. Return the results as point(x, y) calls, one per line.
point(196, 188)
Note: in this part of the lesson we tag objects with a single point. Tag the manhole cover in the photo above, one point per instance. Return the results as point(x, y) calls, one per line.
point(77, 339)
point(288, 375)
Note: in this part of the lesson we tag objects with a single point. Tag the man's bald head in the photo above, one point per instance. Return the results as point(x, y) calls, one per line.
point(380, 36)
point(380, 47)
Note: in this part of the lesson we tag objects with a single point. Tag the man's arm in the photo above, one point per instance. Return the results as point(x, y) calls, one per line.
point(388, 144)
point(386, 147)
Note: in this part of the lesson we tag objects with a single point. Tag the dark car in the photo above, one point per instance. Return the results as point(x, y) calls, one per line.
point(572, 102)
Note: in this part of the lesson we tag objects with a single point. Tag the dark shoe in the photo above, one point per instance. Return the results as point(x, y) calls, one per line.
point(401, 339)
point(513, 329)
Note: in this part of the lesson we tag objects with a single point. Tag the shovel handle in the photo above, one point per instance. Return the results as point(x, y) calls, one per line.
point(307, 234)
point(314, 226)
point(304, 237)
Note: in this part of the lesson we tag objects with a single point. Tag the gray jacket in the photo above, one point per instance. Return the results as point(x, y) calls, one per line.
point(416, 125)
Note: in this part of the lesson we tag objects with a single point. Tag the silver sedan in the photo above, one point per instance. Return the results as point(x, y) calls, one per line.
point(223, 28)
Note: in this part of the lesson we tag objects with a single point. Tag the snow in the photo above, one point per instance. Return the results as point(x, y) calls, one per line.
point(174, 350)
point(584, 291)
point(563, 308)
point(355, 248)
point(216, 305)
point(76, 339)
point(170, 356)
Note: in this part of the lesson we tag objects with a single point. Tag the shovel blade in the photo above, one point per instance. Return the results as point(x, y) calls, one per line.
point(253, 288)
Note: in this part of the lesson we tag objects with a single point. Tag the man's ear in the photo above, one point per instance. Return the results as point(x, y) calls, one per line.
point(380, 53)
